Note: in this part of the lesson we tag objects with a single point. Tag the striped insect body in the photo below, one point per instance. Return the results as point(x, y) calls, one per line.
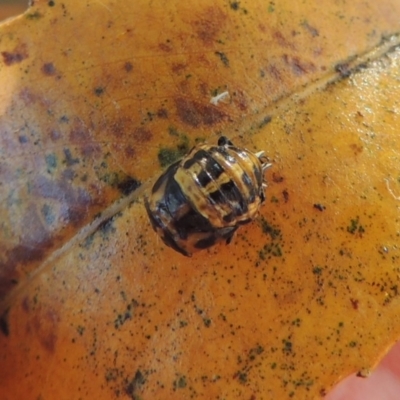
point(203, 198)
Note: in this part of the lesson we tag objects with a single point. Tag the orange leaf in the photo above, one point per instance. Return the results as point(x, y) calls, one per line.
point(97, 98)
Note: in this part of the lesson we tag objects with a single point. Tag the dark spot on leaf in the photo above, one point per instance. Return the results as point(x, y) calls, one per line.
point(44, 324)
point(51, 3)
point(106, 226)
point(313, 31)
point(162, 113)
point(128, 66)
point(177, 68)
point(354, 303)
point(69, 160)
point(281, 40)
point(343, 69)
point(51, 161)
point(22, 139)
point(319, 206)
point(234, 5)
point(209, 24)
point(317, 270)
point(142, 135)
point(168, 155)
point(135, 384)
point(355, 227)
point(267, 119)
point(16, 56)
point(4, 325)
point(129, 151)
point(298, 67)
point(99, 91)
point(180, 383)
point(357, 148)
point(48, 214)
point(25, 304)
point(128, 185)
point(277, 178)
point(49, 69)
point(285, 194)
point(33, 15)
point(223, 58)
point(287, 346)
point(268, 229)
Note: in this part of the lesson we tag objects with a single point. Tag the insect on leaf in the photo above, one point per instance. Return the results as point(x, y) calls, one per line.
point(97, 99)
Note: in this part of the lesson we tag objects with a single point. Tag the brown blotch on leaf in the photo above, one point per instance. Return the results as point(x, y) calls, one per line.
point(165, 47)
point(128, 66)
point(74, 201)
point(195, 114)
point(354, 303)
point(209, 24)
point(118, 127)
point(49, 69)
point(274, 72)
point(285, 195)
point(177, 68)
point(54, 135)
point(298, 67)
point(162, 113)
point(19, 54)
point(90, 149)
point(277, 178)
point(4, 324)
point(313, 31)
point(319, 207)
point(129, 151)
point(142, 135)
point(357, 148)
point(79, 132)
point(240, 100)
point(282, 41)
point(28, 97)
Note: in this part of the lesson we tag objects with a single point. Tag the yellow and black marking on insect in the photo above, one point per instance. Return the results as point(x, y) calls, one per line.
point(203, 198)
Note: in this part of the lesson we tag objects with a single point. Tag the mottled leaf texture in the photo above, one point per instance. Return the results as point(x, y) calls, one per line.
point(97, 97)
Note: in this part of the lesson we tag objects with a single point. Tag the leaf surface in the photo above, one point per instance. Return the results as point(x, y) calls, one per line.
point(98, 97)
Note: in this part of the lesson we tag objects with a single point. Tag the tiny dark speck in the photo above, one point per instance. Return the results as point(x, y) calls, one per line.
point(267, 119)
point(48, 69)
point(107, 226)
point(128, 185)
point(343, 69)
point(285, 194)
point(51, 3)
point(69, 160)
point(319, 207)
point(128, 66)
point(234, 5)
point(99, 91)
point(223, 58)
point(4, 327)
point(354, 304)
point(22, 139)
